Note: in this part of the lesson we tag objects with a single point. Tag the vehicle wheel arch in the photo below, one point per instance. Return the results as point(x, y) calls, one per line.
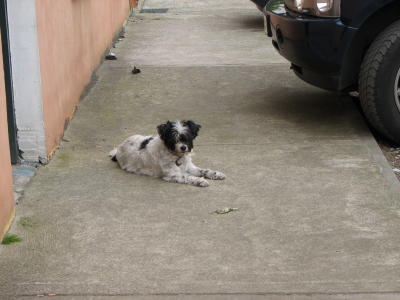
point(372, 26)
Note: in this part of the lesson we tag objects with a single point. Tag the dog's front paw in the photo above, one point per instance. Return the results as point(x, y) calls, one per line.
point(219, 176)
point(215, 175)
point(201, 182)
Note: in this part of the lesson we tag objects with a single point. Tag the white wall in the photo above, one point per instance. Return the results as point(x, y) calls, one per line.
point(26, 79)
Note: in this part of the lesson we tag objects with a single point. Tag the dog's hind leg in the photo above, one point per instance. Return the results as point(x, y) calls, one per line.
point(113, 154)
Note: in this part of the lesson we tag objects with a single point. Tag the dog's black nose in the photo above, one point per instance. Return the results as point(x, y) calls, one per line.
point(183, 148)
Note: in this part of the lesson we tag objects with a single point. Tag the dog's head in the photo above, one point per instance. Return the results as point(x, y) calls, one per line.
point(178, 136)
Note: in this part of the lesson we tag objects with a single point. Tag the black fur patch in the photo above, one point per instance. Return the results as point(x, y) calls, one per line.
point(114, 158)
point(193, 127)
point(144, 143)
point(168, 135)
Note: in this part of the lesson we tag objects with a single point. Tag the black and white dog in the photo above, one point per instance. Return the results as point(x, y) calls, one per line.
point(167, 156)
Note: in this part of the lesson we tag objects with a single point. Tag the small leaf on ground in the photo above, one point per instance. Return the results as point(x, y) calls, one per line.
point(225, 210)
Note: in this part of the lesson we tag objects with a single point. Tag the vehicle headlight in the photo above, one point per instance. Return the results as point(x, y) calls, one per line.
point(318, 8)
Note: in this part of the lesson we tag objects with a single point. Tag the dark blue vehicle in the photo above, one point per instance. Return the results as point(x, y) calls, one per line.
point(260, 4)
point(344, 45)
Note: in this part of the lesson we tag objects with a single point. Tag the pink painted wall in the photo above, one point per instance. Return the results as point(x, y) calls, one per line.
point(73, 35)
point(6, 185)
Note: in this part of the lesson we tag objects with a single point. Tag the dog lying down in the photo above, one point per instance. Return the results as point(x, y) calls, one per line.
point(167, 156)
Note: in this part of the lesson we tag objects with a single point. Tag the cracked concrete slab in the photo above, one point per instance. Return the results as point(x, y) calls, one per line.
point(318, 205)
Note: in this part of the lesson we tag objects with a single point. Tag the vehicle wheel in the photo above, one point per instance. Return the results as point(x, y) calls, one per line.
point(379, 83)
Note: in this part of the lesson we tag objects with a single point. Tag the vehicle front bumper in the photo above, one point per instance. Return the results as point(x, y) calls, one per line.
point(316, 47)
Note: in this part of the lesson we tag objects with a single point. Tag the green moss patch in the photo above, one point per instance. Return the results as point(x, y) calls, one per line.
point(27, 222)
point(10, 239)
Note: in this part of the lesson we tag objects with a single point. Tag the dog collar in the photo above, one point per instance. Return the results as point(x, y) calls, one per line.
point(178, 162)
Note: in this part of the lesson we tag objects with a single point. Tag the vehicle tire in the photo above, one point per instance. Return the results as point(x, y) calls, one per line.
point(379, 83)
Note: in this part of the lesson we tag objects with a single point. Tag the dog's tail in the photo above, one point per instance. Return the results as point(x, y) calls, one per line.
point(113, 154)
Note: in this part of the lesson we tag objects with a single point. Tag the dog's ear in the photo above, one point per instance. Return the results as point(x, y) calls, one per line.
point(193, 127)
point(163, 128)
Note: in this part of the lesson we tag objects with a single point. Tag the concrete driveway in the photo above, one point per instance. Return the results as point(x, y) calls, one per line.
point(319, 214)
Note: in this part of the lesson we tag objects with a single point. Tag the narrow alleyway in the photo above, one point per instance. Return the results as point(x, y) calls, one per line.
point(318, 208)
